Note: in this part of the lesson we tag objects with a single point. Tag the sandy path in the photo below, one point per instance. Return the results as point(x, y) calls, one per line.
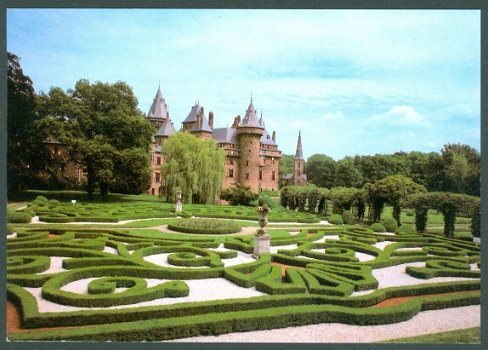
point(424, 323)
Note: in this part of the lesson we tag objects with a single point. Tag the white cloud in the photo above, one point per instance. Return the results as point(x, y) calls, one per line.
point(401, 116)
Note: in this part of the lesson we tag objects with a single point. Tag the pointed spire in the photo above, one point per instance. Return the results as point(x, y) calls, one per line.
point(299, 152)
point(158, 109)
point(251, 119)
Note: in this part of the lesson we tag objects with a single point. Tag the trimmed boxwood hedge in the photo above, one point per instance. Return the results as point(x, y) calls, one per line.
point(320, 292)
point(378, 227)
point(18, 217)
point(205, 226)
point(335, 219)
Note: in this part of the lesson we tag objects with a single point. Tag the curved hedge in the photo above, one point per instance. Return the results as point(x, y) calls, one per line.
point(307, 284)
point(204, 226)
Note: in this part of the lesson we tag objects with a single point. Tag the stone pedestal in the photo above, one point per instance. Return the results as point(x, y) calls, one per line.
point(261, 245)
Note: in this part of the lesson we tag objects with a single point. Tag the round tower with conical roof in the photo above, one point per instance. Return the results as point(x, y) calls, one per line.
point(249, 132)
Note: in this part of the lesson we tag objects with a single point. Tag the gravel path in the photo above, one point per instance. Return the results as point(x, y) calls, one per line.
point(423, 323)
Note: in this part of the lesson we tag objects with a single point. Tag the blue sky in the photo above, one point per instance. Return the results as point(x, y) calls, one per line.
point(354, 81)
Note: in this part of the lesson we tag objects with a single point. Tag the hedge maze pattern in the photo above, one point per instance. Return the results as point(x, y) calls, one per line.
point(313, 276)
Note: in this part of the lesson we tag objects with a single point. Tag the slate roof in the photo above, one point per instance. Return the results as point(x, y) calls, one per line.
point(266, 139)
point(251, 119)
point(299, 152)
point(192, 116)
point(166, 129)
point(204, 127)
point(158, 109)
point(225, 135)
point(288, 176)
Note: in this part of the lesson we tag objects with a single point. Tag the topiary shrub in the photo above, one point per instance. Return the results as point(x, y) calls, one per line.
point(40, 201)
point(336, 219)
point(406, 230)
point(390, 224)
point(378, 227)
point(205, 226)
point(348, 218)
point(18, 217)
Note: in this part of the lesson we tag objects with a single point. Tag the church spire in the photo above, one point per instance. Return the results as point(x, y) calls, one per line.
point(299, 152)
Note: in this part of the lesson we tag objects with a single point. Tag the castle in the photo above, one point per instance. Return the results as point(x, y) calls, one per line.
point(251, 153)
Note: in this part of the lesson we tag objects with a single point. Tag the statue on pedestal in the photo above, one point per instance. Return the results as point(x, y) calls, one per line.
point(261, 239)
point(179, 205)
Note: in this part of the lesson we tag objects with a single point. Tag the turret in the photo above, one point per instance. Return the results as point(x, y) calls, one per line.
point(249, 132)
point(158, 112)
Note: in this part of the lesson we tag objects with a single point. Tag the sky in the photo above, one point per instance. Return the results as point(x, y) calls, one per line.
point(353, 81)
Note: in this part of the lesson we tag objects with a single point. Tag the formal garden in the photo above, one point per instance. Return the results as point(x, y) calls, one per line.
point(147, 273)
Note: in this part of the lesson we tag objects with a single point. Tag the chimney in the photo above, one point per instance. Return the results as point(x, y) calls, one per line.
point(237, 121)
point(274, 136)
point(210, 119)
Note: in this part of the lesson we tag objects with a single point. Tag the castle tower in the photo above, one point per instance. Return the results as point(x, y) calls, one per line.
point(158, 112)
point(249, 133)
point(299, 178)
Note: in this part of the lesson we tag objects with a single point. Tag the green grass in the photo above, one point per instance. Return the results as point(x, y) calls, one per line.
point(466, 336)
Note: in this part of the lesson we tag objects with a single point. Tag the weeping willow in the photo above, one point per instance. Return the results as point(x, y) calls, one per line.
point(193, 166)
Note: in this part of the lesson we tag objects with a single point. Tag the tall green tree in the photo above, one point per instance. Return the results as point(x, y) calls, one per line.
point(347, 174)
point(26, 155)
point(461, 168)
point(321, 170)
point(100, 123)
point(193, 166)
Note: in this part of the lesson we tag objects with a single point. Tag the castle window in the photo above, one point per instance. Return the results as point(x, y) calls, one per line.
point(247, 176)
point(56, 150)
point(247, 163)
point(273, 177)
point(158, 160)
point(158, 177)
point(260, 174)
point(231, 172)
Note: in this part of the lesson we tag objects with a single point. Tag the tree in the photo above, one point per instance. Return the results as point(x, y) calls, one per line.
point(26, 155)
point(321, 170)
point(379, 166)
point(461, 169)
point(450, 204)
point(347, 174)
point(393, 189)
point(238, 195)
point(342, 198)
point(102, 127)
point(193, 166)
point(287, 165)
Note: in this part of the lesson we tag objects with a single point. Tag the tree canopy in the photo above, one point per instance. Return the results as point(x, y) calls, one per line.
point(193, 166)
point(26, 155)
point(104, 130)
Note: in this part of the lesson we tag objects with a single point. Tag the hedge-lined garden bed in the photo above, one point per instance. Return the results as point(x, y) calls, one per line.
point(311, 279)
